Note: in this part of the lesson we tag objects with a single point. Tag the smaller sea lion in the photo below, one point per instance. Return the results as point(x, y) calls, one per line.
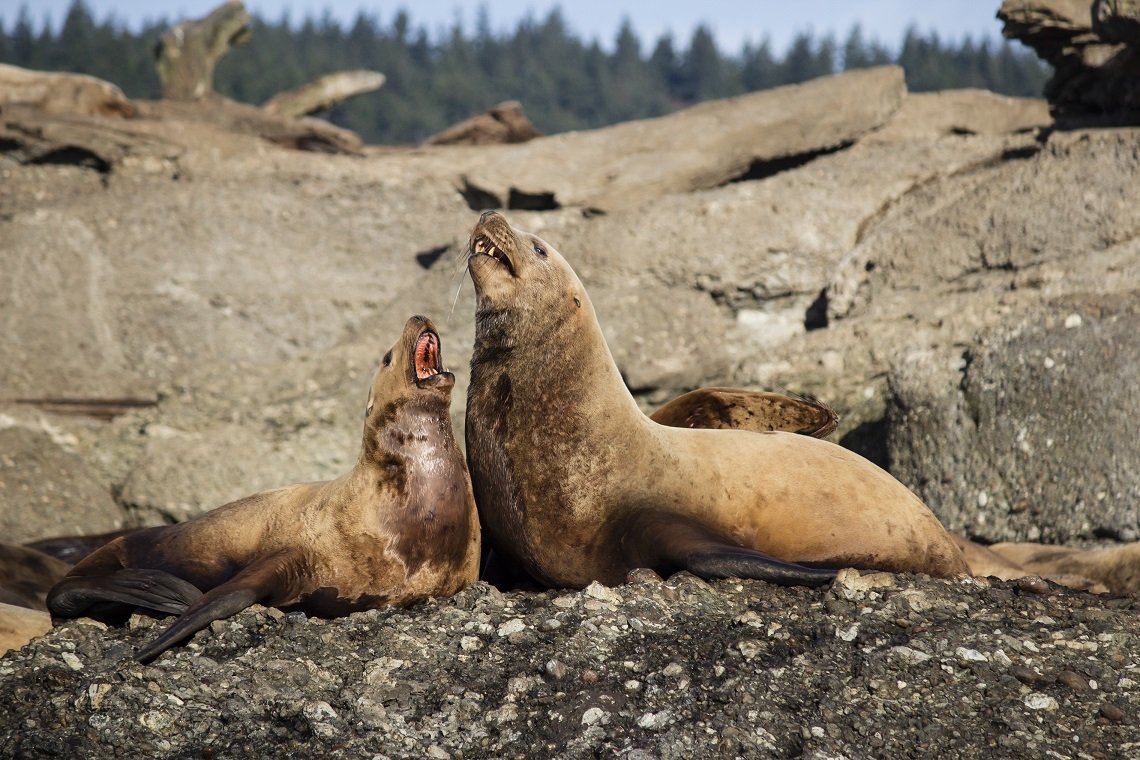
point(400, 527)
point(26, 576)
point(740, 409)
point(19, 625)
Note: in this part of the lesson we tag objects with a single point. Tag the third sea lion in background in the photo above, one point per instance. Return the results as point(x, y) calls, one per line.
point(740, 409)
point(26, 575)
point(71, 549)
point(400, 527)
point(575, 484)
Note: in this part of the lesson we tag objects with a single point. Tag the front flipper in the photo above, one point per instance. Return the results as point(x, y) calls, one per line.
point(741, 409)
point(270, 578)
point(668, 543)
point(156, 590)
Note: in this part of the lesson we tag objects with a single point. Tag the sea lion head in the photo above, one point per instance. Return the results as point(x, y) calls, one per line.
point(411, 373)
point(520, 273)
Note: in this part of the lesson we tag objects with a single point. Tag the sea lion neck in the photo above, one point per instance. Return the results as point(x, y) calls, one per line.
point(406, 427)
point(547, 353)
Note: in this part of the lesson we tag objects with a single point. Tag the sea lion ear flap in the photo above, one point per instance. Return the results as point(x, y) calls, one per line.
point(668, 542)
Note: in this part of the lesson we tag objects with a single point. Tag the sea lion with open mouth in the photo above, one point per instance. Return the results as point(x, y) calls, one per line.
point(575, 484)
point(400, 527)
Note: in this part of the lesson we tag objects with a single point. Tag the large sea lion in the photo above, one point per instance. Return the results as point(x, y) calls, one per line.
point(401, 526)
point(575, 484)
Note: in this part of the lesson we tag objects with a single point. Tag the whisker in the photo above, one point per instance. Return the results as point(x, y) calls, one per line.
point(462, 279)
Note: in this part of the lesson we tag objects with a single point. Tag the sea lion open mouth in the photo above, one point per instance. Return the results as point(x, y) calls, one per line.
point(481, 245)
point(427, 362)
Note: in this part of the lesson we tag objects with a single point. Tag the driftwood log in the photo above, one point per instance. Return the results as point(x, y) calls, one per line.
point(188, 52)
point(504, 123)
point(323, 93)
point(55, 92)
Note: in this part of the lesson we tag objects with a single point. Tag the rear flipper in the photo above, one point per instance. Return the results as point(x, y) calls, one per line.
point(271, 578)
point(667, 543)
point(156, 590)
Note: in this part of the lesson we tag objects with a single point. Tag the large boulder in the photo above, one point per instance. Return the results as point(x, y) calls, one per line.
point(1032, 436)
point(706, 145)
point(47, 489)
point(1094, 48)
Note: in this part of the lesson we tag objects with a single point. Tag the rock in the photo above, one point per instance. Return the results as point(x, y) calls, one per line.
point(19, 625)
point(47, 490)
point(924, 115)
point(1094, 49)
point(687, 685)
point(700, 147)
point(1029, 444)
point(183, 474)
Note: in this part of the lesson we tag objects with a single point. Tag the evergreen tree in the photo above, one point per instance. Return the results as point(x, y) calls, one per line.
point(24, 45)
point(562, 83)
point(759, 69)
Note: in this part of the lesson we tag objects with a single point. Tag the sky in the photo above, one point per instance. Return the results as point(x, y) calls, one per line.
point(733, 22)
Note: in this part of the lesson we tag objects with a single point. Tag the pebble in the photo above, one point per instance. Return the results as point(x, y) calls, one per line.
point(1026, 675)
point(1038, 701)
point(1074, 681)
point(595, 715)
point(1111, 712)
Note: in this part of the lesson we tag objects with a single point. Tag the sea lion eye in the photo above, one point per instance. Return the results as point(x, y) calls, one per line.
point(540, 250)
point(388, 359)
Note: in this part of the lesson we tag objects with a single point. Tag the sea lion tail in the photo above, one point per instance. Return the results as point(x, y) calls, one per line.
point(668, 542)
point(156, 590)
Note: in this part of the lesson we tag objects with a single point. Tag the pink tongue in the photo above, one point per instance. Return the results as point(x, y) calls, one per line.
point(425, 357)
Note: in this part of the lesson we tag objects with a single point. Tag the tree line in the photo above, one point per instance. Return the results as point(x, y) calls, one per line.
point(563, 82)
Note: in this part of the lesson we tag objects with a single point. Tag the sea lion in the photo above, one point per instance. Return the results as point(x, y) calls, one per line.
point(575, 484)
point(401, 526)
point(741, 409)
point(26, 576)
point(1116, 567)
point(71, 549)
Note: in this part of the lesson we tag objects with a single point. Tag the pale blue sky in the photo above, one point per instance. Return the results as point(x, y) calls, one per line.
point(733, 22)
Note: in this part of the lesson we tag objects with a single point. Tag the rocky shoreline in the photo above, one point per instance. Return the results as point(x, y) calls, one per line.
point(878, 665)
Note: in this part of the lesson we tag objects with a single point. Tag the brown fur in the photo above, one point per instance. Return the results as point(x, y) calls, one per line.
point(575, 484)
point(401, 526)
point(740, 409)
point(27, 574)
point(1116, 567)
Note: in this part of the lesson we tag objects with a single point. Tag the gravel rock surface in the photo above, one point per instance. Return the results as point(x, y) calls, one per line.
point(876, 665)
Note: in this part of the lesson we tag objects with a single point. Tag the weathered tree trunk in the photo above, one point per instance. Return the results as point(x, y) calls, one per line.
point(62, 93)
point(504, 123)
point(188, 52)
point(323, 93)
